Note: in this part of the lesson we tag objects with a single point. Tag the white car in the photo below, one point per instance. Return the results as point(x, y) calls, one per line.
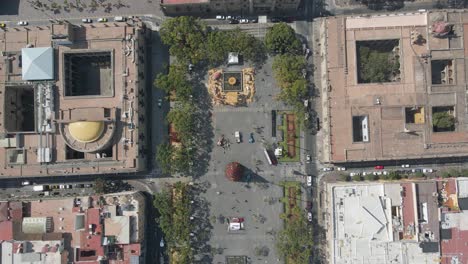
point(405, 165)
point(385, 172)
point(244, 21)
point(120, 19)
point(327, 169)
point(220, 17)
point(354, 174)
point(309, 180)
point(309, 216)
point(61, 186)
point(86, 20)
point(365, 173)
point(341, 169)
point(428, 170)
point(23, 23)
point(25, 183)
point(102, 19)
point(308, 158)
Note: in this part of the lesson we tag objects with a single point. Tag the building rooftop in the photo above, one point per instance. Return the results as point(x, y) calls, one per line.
point(72, 107)
point(373, 224)
point(371, 119)
point(84, 229)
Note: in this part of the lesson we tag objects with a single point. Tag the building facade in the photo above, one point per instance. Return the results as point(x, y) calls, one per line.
point(228, 7)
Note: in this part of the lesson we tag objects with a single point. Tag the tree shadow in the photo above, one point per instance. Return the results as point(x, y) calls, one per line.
point(202, 227)
point(203, 128)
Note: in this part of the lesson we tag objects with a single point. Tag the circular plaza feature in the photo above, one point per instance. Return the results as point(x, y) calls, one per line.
point(234, 171)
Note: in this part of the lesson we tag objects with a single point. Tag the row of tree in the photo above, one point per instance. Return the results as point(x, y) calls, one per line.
point(289, 66)
point(174, 211)
point(191, 41)
point(295, 241)
point(178, 158)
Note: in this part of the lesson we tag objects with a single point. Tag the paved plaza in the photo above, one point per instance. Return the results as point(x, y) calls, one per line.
point(256, 198)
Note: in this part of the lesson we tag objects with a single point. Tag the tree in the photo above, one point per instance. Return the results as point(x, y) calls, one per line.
point(100, 185)
point(295, 93)
point(220, 43)
point(175, 82)
point(186, 37)
point(443, 121)
point(234, 171)
point(394, 175)
point(371, 177)
point(375, 66)
point(164, 156)
point(295, 241)
point(281, 39)
point(182, 117)
point(288, 69)
point(344, 177)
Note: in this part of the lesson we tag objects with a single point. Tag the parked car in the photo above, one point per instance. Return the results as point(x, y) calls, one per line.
point(23, 23)
point(61, 186)
point(253, 20)
point(68, 186)
point(220, 17)
point(405, 165)
point(88, 185)
point(229, 17)
point(79, 185)
point(86, 20)
point(251, 138)
point(244, 21)
point(306, 103)
point(54, 186)
point(354, 174)
point(159, 102)
point(238, 136)
point(385, 172)
point(379, 167)
point(120, 19)
point(416, 170)
point(327, 169)
point(308, 158)
point(309, 205)
point(102, 19)
point(309, 216)
point(275, 20)
point(341, 169)
point(427, 170)
point(25, 183)
point(309, 180)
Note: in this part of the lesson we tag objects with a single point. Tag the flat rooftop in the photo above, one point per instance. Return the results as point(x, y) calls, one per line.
point(383, 223)
point(84, 118)
point(389, 115)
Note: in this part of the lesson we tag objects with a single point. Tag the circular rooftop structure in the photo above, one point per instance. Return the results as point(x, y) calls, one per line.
point(86, 131)
point(88, 136)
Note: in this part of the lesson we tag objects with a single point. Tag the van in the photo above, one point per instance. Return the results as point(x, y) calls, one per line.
point(120, 19)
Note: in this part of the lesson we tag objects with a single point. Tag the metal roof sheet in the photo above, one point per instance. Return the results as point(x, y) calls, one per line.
point(38, 63)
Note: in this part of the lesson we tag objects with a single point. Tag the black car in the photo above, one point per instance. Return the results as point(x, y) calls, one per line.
point(233, 21)
point(275, 20)
point(79, 185)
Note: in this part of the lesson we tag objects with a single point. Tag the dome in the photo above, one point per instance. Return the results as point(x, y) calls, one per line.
point(234, 171)
point(86, 131)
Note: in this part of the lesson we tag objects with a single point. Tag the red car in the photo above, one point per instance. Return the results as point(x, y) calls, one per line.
point(379, 167)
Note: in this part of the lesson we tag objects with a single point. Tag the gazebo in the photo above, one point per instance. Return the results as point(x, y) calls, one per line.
point(234, 171)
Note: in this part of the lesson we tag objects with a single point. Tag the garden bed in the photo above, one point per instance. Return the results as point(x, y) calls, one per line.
point(290, 142)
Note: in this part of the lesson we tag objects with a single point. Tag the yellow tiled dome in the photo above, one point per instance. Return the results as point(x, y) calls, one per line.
point(86, 131)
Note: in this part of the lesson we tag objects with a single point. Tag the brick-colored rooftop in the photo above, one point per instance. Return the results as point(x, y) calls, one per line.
point(390, 137)
point(122, 109)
